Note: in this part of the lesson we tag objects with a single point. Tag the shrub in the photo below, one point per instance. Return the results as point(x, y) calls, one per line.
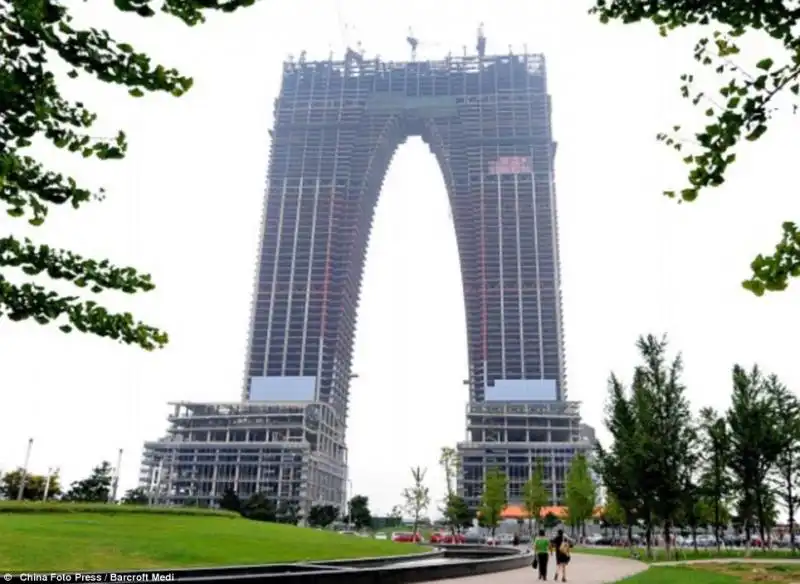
point(107, 509)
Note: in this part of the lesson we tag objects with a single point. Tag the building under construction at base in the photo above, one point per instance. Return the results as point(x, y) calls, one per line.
point(292, 452)
point(514, 438)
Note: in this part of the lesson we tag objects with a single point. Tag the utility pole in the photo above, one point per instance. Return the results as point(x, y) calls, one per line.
point(115, 482)
point(50, 474)
point(24, 475)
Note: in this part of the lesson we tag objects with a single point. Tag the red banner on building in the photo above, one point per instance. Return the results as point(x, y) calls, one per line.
point(511, 165)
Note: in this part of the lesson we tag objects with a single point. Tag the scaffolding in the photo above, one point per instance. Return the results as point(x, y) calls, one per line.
point(337, 124)
point(516, 437)
point(294, 453)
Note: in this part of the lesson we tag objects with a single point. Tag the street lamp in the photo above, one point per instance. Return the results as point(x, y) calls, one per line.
point(24, 476)
point(349, 506)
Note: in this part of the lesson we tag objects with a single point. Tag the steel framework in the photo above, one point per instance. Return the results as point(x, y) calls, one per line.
point(336, 127)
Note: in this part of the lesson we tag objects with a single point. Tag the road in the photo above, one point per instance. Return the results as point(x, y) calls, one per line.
point(583, 569)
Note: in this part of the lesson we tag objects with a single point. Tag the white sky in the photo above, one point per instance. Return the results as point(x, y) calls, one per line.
point(185, 206)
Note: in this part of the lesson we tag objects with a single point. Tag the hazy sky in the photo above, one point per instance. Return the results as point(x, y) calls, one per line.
point(185, 207)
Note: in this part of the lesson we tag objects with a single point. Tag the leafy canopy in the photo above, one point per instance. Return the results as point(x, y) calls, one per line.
point(37, 38)
point(534, 494)
point(494, 498)
point(748, 97)
point(581, 491)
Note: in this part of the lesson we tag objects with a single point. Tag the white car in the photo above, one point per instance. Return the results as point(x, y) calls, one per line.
point(381, 536)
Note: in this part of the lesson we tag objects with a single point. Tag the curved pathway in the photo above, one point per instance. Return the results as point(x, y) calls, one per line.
point(583, 569)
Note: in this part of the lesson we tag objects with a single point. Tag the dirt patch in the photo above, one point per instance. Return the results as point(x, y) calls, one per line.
point(767, 573)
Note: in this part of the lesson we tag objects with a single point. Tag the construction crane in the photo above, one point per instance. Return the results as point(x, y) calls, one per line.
point(414, 43)
point(481, 46)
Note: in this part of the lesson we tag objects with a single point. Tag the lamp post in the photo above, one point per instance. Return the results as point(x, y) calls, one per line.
point(115, 483)
point(51, 472)
point(349, 506)
point(24, 474)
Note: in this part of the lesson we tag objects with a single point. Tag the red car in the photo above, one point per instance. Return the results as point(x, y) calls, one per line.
point(406, 537)
point(444, 537)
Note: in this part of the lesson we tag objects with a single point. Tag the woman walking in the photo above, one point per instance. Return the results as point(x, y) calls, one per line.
point(541, 547)
point(562, 549)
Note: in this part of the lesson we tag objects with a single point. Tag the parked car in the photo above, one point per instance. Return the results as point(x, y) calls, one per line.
point(380, 535)
point(474, 537)
point(406, 537)
point(446, 538)
point(504, 539)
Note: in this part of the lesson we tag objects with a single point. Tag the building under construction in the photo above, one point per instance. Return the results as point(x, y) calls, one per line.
point(337, 124)
point(516, 437)
point(292, 452)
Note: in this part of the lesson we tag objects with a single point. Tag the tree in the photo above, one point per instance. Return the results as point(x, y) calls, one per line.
point(493, 499)
point(551, 520)
point(788, 461)
point(137, 496)
point(448, 460)
point(230, 501)
point(619, 465)
point(287, 513)
point(581, 492)
point(93, 489)
point(322, 515)
point(535, 497)
point(33, 488)
point(666, 430)
point(748, 104)
point(755, 446)
point(257, 507)
point(37, 39)
point(457, 513)
point(396, 515)
point(613, 514)
point(358, 512)
point(417, 497)
point(715, 480)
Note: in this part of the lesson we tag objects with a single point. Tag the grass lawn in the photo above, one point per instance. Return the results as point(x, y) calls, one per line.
point(659, 554)
point(79, 541)
point(733, 573)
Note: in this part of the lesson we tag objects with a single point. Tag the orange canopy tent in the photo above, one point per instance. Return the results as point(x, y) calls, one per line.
point(519, 512)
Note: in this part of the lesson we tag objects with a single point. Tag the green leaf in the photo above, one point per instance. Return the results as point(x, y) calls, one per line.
point(754, 286)
point(136, 92)
point(765, 64)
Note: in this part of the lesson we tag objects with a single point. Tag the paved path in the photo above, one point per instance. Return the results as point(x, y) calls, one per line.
point(583, 569)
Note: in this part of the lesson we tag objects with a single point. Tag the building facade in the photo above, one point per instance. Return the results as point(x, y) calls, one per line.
point(337, 124)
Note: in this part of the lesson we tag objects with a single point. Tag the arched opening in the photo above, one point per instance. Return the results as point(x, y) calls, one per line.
point(410, 349)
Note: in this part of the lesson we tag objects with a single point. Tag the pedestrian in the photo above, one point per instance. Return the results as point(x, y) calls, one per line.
point(541, 547)
point(560, 545)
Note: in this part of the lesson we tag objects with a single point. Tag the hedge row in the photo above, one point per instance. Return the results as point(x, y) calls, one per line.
point(106, 509)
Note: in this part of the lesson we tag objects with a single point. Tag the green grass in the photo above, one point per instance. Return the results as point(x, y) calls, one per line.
point(79, 539)
point(664, 575)
point(659, 554)
point(718, 573)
